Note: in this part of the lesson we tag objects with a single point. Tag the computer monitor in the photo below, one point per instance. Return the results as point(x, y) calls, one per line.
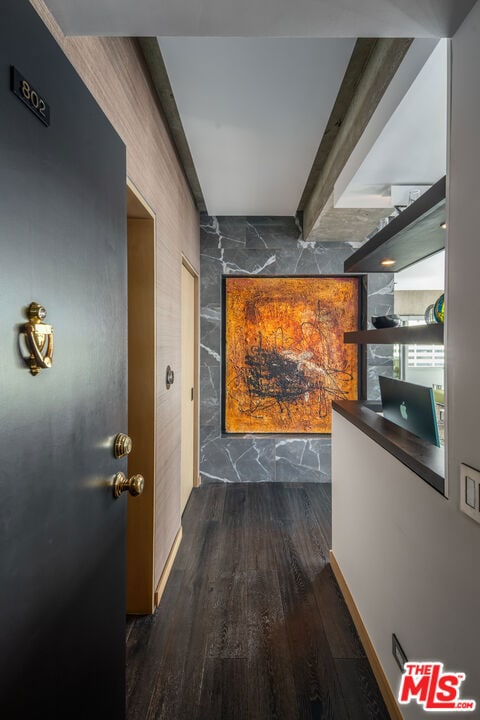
point(410, 406)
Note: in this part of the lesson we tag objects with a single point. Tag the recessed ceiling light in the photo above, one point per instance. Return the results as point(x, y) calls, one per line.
point(443, 226)
point(388, 262)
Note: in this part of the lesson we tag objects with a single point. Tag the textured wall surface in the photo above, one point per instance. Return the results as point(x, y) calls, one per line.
point(113, 71)
point(267, 246)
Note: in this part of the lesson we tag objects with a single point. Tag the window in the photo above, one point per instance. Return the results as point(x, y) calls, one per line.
point(424, 356)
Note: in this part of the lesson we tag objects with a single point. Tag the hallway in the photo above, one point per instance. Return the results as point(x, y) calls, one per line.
point(252, 624)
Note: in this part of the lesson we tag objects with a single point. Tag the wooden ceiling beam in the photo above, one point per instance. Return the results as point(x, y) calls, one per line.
point(155, 64)
point(372, 66)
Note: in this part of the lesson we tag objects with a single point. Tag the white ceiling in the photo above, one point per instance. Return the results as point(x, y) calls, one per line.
point(255, 100)
point(254, 111)
point(279, 18)
point(254, 127)
point(409, 146)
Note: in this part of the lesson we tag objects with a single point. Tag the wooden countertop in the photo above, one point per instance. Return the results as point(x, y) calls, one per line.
point(424, 459)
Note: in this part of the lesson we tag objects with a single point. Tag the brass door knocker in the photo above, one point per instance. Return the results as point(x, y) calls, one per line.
point(39, 338)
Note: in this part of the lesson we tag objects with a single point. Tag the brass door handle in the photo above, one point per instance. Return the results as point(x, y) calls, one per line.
point(134, 485)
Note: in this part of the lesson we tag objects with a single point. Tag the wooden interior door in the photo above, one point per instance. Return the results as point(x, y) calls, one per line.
point(141, 402)
point(188, 389)
point(62, 532)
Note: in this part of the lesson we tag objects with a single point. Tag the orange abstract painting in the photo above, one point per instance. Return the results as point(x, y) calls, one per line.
point(284, 355)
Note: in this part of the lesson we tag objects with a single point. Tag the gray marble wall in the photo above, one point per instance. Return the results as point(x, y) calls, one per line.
point(267, 246)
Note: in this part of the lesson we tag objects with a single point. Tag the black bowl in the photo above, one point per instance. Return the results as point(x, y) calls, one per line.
point(386, 321)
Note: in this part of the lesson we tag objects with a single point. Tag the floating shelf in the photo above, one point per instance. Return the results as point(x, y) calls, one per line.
point(413, 235)
point(403, 335)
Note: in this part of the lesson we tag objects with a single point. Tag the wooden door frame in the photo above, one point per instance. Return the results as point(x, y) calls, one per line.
point(142, 408)
point(196, 394)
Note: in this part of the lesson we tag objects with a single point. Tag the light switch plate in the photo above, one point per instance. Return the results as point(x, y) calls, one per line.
point(470, 492)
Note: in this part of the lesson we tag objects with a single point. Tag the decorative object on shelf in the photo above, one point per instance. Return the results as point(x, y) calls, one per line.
point(386, 321)
point(39, 339)
point(284, 355)
point(439, 309)
point(435, 313)
point(413, 195)
point(430, 315)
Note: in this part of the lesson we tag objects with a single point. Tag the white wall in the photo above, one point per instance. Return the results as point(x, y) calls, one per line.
point(463, 260)
point(409, 558)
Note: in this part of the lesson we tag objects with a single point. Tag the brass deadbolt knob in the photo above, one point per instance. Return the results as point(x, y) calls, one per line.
point(122, 445)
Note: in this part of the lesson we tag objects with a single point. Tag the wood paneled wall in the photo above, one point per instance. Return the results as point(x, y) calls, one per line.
point(113, 71)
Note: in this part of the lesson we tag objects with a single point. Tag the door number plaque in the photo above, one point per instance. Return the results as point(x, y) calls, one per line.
point(29, 96)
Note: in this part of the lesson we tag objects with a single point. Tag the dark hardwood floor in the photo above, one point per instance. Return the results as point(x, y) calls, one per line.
point(252, 625)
